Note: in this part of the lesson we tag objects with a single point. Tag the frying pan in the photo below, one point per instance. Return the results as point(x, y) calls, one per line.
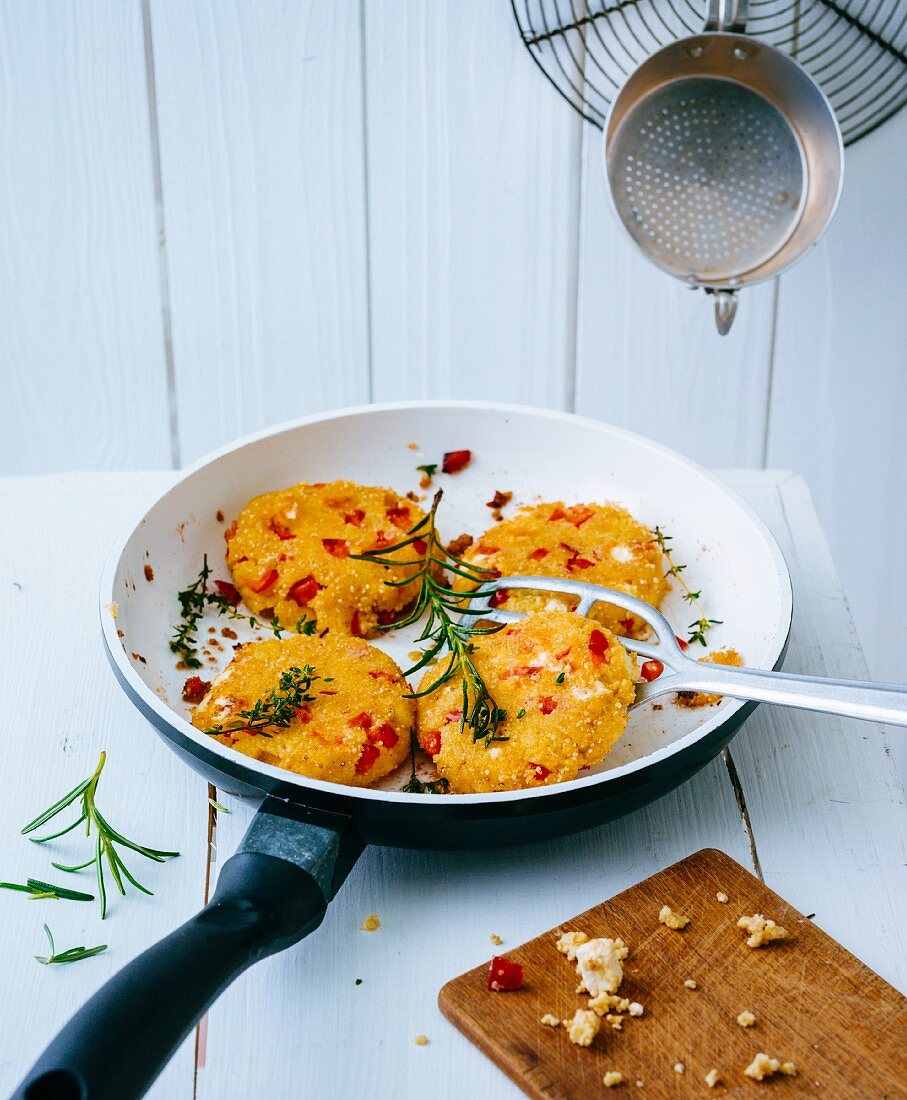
point(308, 834)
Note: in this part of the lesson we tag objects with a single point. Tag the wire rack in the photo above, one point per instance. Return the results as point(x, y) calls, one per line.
point(855, 49)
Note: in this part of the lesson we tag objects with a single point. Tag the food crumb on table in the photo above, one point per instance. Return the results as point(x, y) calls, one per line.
point(679, 1067)
point(371, 923)
point(612, 1077)
point(763, 1065)
point(636, 1009)
point(495, 939)
point(690, 983)
point(550, 1020)
point(722, 897)
point(712, 1078)
point(670, 919)
point(746, 1018)
point(421, 1040)
point(583, 1028)
point(762, 931)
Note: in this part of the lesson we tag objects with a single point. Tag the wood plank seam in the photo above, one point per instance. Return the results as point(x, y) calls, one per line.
point(740, 799)
point(161, 225)
point(366, 213)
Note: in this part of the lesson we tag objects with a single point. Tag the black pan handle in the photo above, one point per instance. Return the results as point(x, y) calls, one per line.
point(273, 892)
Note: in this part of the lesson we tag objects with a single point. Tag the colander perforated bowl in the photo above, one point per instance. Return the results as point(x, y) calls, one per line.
point(725, 162)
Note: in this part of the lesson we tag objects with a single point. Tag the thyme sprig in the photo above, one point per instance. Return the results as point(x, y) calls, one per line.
point(696, 631)
point(70, 955)
point(278, 707)
point(38, 889)
point(446, 634)
point(194, 602)
point(106, 838)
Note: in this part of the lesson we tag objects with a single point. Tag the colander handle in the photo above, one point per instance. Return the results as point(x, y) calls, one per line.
point(726, 15)
point(725, 309)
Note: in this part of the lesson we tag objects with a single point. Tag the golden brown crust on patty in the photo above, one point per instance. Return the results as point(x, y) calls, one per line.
point(356, 728)
point(597, 543)
point(290, 551)
point(553, 729)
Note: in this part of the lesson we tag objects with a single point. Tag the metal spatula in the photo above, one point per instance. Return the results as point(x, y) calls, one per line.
point(849, 698)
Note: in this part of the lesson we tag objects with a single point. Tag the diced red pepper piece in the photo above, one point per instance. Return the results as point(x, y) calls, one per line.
point(431, 742)
point(230, 591)
point(362, 721)
point(455, 461)
point(367, 758)
point(230, 531)
point(421, 547)
point(385, 735)
point(522, 670)
point(337, 548)
point(557, 514)
point(547, 705)
point(681, 642)
point(538, 554)
point(283, 533)
point(486, 550)
point(504, 975)
point(399, 516)
point(305, 591)
point(598, 645)
point(380, 674)
point(382, 542)
point(264, 582)
point(563, 653)
point(651, 670)
point(578, 514)
point(304, 714)
point(327, 691)
point(539, 771)
point(575, 563)
point(354, 519)
point(355, 625)
point(195, 689)
point(501, 596)
point(626, 625)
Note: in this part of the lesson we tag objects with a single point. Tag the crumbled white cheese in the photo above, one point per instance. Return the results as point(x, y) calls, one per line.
point(712, 1078)
point(722, 897)
point(668, 917)
point(371, 923)
point(612, 1078)
point(550, 1020)
point(763, 1066)
point(616, 1022)
point(636, 1008)
point(604, 1002)
point(583, 1028)
point(761, 931)
point(679, 1067)
point(690, 983)
point(598, 965)
point(746, 1018)
point(569, 942)
point(623, 554)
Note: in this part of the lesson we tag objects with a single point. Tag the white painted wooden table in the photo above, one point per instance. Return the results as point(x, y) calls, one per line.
point(811, 803)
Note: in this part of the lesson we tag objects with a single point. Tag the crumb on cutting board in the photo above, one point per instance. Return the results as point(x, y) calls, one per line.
point(690, 983)
point(550, 1020)
point(763, 1065)
point(598, 963)
point(568, 942)
point(762, 931)
point(679, 1067)
point(722, 897)
point(583, 1028)
point(371, 923)
point(712, 1078)
point(670, 919)
point(636, 1009)
point(746, 1018)
point(604, 1002)
point(612, 1077)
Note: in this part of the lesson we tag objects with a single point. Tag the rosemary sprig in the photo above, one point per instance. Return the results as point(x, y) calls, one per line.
point(414, 784)
point(38, 889)
point(696, 631)
point(194, 602)
point(279, 707)
point(71, 955)
point(441, 630)
point(106, 838)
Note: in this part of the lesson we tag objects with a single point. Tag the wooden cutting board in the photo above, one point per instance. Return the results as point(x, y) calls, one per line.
point(815, 1004)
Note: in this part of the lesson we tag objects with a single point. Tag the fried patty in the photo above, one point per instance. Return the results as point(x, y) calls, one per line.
point(353, 726)
point(565, 684)
point(598, 543)
point(290, 554)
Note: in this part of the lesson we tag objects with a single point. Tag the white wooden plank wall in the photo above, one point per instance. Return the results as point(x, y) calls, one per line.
point(384, 198)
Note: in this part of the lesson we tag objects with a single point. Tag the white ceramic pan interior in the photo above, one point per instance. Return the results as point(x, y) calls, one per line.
point(538, 456)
